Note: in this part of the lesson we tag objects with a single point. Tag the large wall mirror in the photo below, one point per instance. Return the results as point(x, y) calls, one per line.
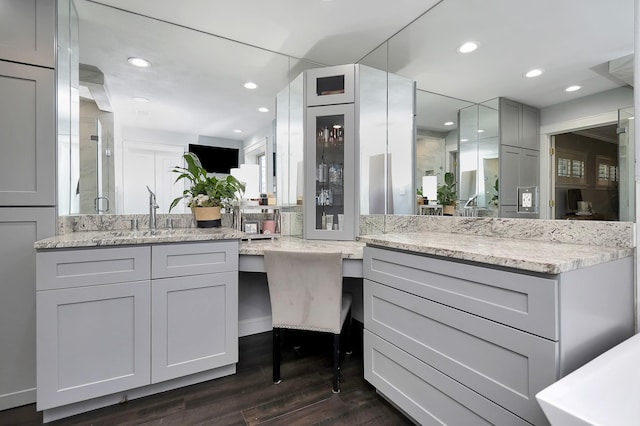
point(449, 85)
point(135, 122)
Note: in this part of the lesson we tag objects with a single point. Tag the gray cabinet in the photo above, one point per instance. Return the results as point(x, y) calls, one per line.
point(92, 341)
point(27, 135)
point(27, 29)
point(330, 162)
point(19, 228)
point(105, 326)
point(518, 167)
point(27, 182)
point(195, 308)
point(519, 125)
point(461, 343)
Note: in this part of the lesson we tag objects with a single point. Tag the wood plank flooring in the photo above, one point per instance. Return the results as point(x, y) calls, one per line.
point(250, 398)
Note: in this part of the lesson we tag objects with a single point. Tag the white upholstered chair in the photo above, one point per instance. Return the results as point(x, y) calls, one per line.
point(306, 294)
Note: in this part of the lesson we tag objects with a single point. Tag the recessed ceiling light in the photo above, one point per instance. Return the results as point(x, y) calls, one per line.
point(572, 88)
point(263, 109)
point(139, 62)
point(140, 99)
point(534, 73)
point(464, 140)
point(250, 85)
point(480, 130)
point(237, 131)
point(468, 47)
point(449, 123)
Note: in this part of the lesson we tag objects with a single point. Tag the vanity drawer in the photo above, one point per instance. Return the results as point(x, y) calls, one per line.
point(424, 393)
point(85, 267)
point(523, 301)
point(179, 260)
point(503, 364)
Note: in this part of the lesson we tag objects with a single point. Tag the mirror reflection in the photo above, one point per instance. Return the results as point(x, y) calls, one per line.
point(452, 87)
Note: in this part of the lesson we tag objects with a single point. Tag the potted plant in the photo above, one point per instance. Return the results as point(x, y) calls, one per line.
point(447, 194)
point(207, 194)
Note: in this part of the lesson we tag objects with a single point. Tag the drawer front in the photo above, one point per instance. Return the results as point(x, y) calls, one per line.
point(522, 301)
point(179, 260)
point(79, 268)
point(501, 363)
point(424, 393)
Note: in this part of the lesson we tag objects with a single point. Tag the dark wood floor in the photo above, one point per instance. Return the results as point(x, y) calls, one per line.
point(250, 398)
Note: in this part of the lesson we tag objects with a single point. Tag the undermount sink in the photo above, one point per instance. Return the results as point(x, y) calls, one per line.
point(603, 392)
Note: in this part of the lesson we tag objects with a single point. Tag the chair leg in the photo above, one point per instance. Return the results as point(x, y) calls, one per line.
point(276, 356)
point(348, 336)
point(336, 363)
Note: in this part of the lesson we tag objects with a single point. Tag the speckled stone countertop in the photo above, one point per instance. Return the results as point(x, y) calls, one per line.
point(530, 255)
point(125, 237)
point(536, 256)
point(349, 249)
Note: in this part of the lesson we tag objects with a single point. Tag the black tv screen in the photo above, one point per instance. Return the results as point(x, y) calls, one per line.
point(216, 159)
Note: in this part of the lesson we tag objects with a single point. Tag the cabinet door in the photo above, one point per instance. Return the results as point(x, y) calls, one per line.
point(329, 206)
point(510, 113)
point(530, 128)
point(27, 132)
point(19, 228)
point(27, 31)
point(529, 168)
point(92, 341)
point(195, 324)
point(509, 175)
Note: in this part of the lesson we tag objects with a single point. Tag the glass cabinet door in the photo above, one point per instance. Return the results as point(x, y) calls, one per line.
point(329, 170)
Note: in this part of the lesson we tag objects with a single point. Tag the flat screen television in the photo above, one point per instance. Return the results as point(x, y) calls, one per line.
point(216, 159)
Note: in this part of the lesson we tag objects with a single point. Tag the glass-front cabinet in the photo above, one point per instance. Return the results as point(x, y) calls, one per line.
point(329, 173)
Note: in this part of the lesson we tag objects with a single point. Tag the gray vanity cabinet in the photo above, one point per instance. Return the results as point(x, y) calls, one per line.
point(93, 323)
point(194, 294)
point(456, 343)
point(117, 319)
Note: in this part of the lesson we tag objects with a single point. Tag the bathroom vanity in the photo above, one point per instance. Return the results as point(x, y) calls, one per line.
point(467, 330)
point(133, 317)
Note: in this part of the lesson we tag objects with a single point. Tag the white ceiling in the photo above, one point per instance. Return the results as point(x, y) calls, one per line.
point(195, 83)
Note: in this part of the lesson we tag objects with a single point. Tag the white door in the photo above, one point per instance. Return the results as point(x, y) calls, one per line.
point(150, 165)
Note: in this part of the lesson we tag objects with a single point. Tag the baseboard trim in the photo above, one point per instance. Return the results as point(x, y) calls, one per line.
point(254, 326)
point(17, 399)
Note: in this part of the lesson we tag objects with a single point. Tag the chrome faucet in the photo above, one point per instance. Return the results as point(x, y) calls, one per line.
point(152, 209)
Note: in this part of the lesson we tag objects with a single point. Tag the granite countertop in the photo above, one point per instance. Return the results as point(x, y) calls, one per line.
point(349, 249)
point(126, 237)
point(530, 255)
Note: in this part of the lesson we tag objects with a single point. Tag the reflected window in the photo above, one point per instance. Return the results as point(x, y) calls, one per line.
point(571, 167)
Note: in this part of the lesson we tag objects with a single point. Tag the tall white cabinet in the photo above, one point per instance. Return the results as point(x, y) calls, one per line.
point(27, 182)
